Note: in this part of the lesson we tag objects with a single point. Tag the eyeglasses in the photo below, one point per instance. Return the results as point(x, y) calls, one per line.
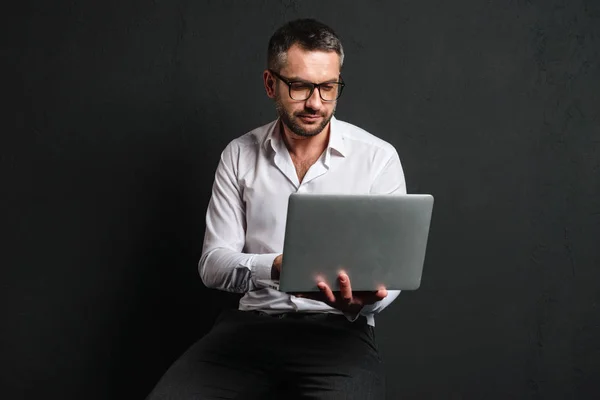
point(302, 90)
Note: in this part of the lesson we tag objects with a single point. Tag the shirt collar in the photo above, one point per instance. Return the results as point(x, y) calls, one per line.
point(336, 137)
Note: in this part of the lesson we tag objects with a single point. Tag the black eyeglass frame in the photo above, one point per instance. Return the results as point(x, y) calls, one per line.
point(312, 86)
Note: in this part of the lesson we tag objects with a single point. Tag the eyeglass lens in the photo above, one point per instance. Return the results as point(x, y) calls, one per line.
point(302, 91)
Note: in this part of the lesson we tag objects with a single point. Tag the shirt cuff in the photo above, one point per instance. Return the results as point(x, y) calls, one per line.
point(261, 266)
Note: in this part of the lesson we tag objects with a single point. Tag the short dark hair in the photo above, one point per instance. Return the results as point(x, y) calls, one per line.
point(309, 34)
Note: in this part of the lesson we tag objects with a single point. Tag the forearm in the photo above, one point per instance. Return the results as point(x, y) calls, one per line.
point(232, 271)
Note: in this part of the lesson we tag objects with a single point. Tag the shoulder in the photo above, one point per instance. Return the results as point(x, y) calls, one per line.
point(360, 140)
point(249, 144)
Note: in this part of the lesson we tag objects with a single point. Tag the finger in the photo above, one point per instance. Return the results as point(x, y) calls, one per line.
point(381, 293)
point(345, 288)
point(326, 290)
point(367, 298)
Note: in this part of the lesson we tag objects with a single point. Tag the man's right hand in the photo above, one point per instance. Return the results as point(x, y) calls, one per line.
point(276, 269)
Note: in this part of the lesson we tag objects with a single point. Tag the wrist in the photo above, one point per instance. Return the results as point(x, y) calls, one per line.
point(276, 268)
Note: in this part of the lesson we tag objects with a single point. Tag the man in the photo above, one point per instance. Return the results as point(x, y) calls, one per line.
point(278, 345)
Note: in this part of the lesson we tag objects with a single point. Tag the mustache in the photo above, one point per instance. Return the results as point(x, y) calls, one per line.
point(308, 111)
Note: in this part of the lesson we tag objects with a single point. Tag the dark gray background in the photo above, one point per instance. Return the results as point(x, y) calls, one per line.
point(116, 114)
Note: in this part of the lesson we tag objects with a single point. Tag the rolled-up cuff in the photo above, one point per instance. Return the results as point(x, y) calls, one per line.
point(261, 266)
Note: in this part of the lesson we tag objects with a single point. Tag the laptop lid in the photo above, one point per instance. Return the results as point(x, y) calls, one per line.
point(376, 239)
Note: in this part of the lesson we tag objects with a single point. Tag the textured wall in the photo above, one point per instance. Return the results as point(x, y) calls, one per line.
point(117, 112)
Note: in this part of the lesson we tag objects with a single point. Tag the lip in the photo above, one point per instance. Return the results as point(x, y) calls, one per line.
point(309, 118)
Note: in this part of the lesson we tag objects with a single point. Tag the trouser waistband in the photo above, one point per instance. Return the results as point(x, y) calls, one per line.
point(308, 315)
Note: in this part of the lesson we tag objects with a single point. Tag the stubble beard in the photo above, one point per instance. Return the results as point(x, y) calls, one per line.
point(289, 119)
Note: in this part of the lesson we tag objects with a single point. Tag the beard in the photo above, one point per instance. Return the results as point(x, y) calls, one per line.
point(290, 119)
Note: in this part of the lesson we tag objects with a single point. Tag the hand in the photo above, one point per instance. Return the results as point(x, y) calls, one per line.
point(276, 268)
point(344, 299)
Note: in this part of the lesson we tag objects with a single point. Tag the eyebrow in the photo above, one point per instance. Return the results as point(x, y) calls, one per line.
point(298, 79)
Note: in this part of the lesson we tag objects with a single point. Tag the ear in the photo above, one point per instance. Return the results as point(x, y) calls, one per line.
point(269, 82)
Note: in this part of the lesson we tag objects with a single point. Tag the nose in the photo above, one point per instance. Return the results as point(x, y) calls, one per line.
point(314, 102)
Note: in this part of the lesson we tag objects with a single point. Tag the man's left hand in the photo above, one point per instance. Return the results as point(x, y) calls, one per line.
point(345, 300)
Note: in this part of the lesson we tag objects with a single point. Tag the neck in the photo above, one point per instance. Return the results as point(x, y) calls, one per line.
point(305, 147)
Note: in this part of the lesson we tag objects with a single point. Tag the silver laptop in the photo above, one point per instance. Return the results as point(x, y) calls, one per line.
point(376, 239)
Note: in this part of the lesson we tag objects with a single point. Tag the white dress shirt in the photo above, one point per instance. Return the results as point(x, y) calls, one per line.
point(246, 216)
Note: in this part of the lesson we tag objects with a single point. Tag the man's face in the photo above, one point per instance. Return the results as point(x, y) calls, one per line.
point(306, 117)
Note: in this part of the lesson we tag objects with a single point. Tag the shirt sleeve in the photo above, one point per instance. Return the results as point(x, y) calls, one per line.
point(223, 265)
point(389, 181)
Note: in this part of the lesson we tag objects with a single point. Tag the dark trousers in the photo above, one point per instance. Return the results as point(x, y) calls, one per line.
point(251, 355)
